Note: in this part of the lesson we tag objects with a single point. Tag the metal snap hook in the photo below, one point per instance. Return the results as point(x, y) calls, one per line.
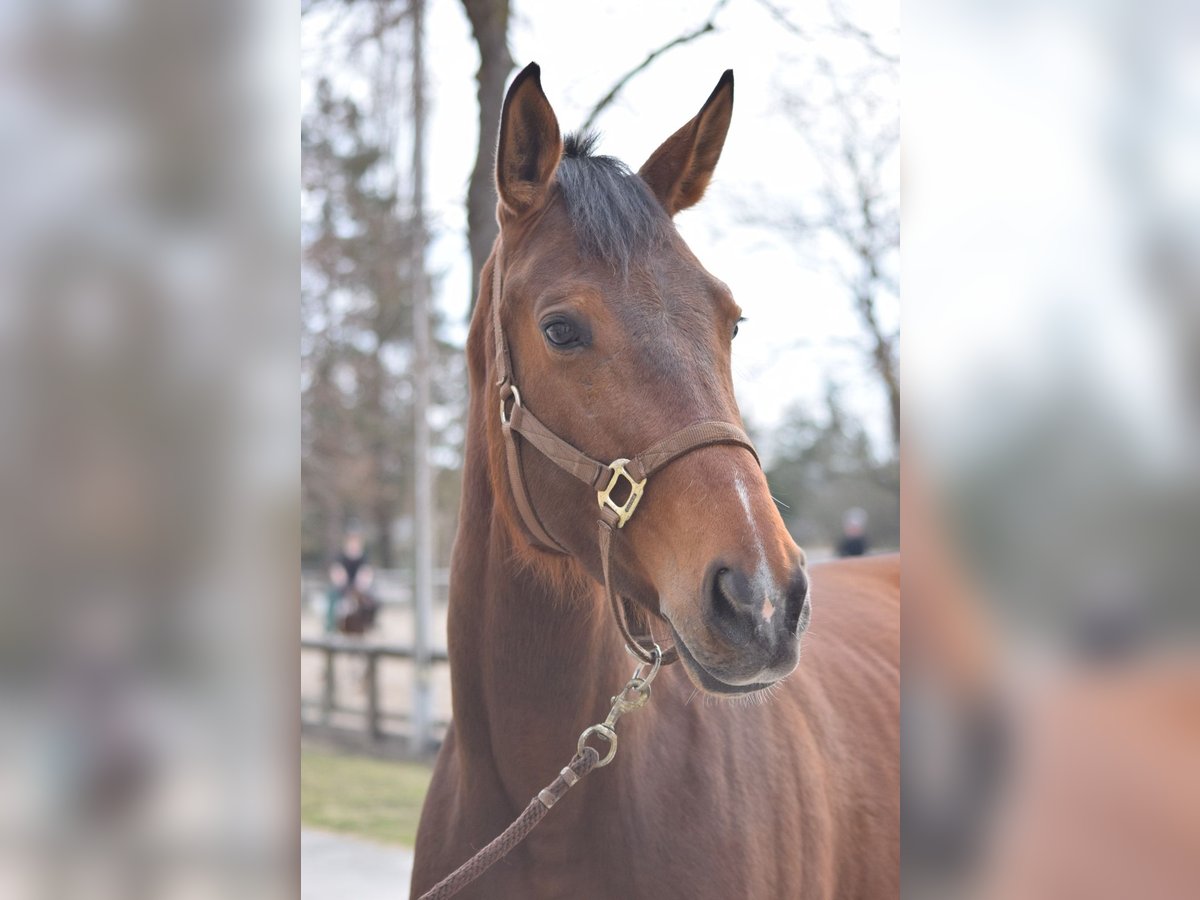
point(655, 661)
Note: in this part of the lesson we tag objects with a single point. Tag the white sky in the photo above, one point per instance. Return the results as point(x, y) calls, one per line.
point(798, 314)
point(1025, 221)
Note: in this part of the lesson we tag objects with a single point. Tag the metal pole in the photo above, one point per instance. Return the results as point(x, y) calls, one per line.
point(372, 675)
point(422, 476)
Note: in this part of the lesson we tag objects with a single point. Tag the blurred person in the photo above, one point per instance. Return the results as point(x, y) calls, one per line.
point(854, 533)
point(352, 608)
point(104, 753)
point(1110, 624)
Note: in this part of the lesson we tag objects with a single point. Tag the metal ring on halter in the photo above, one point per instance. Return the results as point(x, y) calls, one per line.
point(655, 661)
point(655, 664)
point(504, 394)
point(606, 732)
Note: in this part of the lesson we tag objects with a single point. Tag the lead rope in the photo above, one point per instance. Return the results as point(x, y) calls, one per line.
point(634, 695)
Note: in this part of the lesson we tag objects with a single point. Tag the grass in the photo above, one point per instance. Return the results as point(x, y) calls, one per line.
point(368, 798)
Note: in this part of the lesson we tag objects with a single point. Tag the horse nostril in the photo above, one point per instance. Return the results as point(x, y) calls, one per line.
point(729, 592)
point(735, 587)
point(722, 596)
point(797, 600)
point(729, 596)
point(742, 606)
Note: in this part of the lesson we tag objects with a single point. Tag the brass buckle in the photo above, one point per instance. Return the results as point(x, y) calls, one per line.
point(604, 497)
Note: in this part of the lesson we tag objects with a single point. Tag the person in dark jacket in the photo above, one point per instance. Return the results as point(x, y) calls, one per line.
point(854, 533)
point(350, 576)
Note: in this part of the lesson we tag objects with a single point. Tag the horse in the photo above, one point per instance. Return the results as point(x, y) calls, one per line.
point(619, 339)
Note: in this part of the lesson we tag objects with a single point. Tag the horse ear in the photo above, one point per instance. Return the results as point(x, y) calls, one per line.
point(679, 170)
point(530, 144)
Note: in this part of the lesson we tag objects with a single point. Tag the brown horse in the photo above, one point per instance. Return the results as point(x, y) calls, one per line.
point(618, 337)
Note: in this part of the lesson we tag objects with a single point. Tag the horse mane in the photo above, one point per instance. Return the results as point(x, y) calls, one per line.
point(616, 217)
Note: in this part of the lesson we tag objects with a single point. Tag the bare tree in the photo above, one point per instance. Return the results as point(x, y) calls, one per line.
point(374, 372)
point(848, 115)
point(863, 214)
point(354, 301)
point(489, 24)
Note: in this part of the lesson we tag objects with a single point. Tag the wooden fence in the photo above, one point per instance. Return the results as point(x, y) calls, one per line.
point(371, 724)
point(320, 717)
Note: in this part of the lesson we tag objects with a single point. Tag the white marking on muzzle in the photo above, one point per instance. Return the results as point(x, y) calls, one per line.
point(762, 583)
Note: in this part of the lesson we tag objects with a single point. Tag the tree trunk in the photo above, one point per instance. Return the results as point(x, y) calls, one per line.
point(883, 350)
point(489, 24)
point(885, 366)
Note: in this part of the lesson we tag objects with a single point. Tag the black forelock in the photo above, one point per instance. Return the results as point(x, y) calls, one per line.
point(615, 215)
point(581, 144)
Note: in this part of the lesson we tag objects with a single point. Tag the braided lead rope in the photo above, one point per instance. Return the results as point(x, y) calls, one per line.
point(634, 695)
point(584, 761)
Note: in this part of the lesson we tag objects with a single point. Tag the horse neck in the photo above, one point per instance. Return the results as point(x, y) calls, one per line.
point(530, 667)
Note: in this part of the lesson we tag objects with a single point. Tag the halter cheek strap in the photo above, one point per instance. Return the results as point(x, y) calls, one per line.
point(512, 421)
point(606, 480)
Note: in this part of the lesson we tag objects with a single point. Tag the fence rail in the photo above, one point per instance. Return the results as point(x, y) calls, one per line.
point(371, 735)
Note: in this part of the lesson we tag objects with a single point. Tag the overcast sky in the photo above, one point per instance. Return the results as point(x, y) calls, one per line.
point(799, 317)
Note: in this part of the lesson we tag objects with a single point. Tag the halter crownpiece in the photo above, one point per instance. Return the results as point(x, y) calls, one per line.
point(630, 474)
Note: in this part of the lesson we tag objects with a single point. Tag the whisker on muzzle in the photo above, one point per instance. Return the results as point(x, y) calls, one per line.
point(760, 697)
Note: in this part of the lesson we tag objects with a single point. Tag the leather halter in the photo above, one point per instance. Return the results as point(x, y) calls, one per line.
point(515, 418)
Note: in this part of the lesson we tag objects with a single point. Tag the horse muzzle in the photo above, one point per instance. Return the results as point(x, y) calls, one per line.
point(746, 638)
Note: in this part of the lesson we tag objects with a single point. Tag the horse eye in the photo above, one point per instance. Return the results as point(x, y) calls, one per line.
point(561, 333)
point(735, 325)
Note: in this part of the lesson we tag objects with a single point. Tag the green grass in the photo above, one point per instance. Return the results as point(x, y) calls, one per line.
point(369, 798)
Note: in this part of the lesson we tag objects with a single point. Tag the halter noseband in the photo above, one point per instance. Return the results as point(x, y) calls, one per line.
point(515, 418)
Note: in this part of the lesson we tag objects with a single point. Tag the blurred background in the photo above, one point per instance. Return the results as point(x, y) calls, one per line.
point(149, 480)
point(1051, 682)
point(155, 508)
point(400, 109)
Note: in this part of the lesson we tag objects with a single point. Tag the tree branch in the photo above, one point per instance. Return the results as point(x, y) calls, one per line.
point(781, 17)
point(843, 24)
point(607, 100)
